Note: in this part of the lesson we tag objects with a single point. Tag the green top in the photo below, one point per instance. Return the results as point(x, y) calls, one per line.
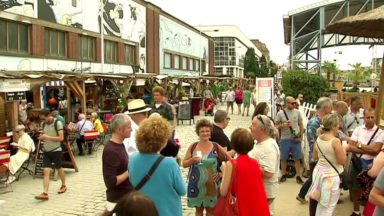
point(247, 96)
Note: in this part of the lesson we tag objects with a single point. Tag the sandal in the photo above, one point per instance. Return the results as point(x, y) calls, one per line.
point(62, 189)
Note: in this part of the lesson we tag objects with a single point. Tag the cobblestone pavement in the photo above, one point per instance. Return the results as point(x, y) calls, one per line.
point(86, 190)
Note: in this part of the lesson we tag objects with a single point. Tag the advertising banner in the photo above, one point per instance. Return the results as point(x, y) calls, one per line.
point(265, 93)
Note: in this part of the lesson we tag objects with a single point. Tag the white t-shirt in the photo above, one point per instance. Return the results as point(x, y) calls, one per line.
point(267, 155)
point(352, 120)
point(230, 96)
point(130, 143)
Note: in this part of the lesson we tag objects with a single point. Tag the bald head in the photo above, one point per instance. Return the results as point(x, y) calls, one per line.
point(341, 108)
point(290, 103)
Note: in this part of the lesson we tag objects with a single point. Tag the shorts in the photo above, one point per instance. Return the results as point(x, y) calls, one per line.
point(239, 101)
point(290, 146)
point(229, 103)
point(54, 158)
point(246, 104)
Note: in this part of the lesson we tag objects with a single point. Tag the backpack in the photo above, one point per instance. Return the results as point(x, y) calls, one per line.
point(62, 143)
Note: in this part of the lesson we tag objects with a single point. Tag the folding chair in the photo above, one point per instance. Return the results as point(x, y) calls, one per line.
point(5, 142)
point(90, 138)
point(5, 157)
point(25, 167)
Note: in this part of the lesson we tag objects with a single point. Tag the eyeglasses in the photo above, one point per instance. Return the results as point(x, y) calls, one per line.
point(260, 119)
point(292, 103)
point(228, 118)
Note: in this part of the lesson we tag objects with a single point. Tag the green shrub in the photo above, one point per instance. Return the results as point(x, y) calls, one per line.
point(301, 82)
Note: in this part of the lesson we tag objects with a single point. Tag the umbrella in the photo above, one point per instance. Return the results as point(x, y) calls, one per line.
point(369, 24)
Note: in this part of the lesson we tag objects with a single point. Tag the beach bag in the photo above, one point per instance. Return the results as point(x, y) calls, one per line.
point(227, 205)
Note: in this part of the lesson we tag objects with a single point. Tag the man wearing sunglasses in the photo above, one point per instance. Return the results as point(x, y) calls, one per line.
point(290, 124)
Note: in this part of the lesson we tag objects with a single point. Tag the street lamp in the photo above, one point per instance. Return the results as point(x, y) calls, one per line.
point(201, 31)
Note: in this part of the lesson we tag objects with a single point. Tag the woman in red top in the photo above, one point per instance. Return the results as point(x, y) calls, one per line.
point(250, 192)
point(239, 95)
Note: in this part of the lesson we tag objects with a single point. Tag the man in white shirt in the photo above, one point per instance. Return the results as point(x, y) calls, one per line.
point(137, 111)
point(230, 98)
point(354, 117)
point(367, 140)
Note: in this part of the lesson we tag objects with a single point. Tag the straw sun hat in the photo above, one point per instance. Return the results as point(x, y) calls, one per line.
point(137, 106)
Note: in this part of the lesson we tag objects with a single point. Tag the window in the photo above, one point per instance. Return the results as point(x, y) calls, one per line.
point(87, 48)
point(110, 52)
point(176, 61)
point(55, 43)
point(197, 63)
point(191, 64)
point(203, 66)
point(184, 63)
point(130, 54)
point(14, 37)
point(167, 60)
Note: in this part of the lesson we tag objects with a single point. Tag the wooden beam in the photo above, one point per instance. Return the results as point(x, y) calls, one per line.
point(69, 105)
point(83, 99)
point(379, 107)
point(2, 114)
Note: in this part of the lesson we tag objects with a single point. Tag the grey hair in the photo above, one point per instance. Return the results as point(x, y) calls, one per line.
point(268, 126)
point(324, 102)
point(328, 123)
point(220, 116)
point(19, 127)
point(119, 121)
point(81, 116)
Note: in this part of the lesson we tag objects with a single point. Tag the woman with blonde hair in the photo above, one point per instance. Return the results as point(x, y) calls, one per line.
point(165, 184)
point(97, 123)
point(331, 157)
point(202, 157)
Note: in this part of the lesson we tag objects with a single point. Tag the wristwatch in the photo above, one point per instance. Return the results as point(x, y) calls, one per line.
point(360, 145)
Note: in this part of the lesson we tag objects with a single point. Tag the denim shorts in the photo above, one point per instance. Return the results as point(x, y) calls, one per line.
point(290, 146)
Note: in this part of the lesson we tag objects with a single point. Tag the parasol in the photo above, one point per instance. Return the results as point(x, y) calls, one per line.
point(369, 24)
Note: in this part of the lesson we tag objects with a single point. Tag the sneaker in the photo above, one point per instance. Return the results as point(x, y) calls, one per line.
point(354, 214)
point(42, 196)
point(283, 178)
point(301, 200)
point(11, 179)
point(299, 180)
point(62, 189)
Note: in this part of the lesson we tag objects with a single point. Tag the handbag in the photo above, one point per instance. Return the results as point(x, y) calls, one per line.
point(366, 183)
point(227, 205)
point(353, 164)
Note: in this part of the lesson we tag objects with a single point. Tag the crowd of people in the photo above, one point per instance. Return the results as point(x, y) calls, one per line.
point(141, 167)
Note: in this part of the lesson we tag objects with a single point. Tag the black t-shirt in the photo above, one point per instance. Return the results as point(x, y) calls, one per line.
point(219, 136)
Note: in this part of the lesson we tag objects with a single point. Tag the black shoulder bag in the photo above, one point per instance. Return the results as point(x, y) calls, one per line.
point(290, 127)
point(342, 183)
point(356, 161)
point(149, 174)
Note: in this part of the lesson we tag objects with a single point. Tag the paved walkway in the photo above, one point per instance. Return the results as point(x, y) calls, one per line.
point(86, 190)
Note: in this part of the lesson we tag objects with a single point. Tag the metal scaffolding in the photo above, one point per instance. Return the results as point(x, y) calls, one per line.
point(304, 30)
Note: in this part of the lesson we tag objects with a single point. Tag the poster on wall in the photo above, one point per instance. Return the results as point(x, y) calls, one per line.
point(265, 93)
point(22, 7)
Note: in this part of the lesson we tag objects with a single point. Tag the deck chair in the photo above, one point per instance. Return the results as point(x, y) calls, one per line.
point(5, 142)
point(25, 167)
point(90, 137)
point(5, 157)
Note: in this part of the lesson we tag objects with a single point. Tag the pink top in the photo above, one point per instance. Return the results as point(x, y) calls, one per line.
point(363, 135)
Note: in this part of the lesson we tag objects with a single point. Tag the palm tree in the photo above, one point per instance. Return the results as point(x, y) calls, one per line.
point(330, 68)
point(358, 75)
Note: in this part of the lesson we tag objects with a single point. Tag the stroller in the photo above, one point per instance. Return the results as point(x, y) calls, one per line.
point(209, 105)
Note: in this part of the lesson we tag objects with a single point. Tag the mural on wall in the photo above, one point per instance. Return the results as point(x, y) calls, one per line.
point(126, 19)
point(66, 12)
point(22, 7)
point(121, 18)
point(177, 38)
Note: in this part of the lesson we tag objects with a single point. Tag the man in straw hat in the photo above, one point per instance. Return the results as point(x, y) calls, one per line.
point(137, 111)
